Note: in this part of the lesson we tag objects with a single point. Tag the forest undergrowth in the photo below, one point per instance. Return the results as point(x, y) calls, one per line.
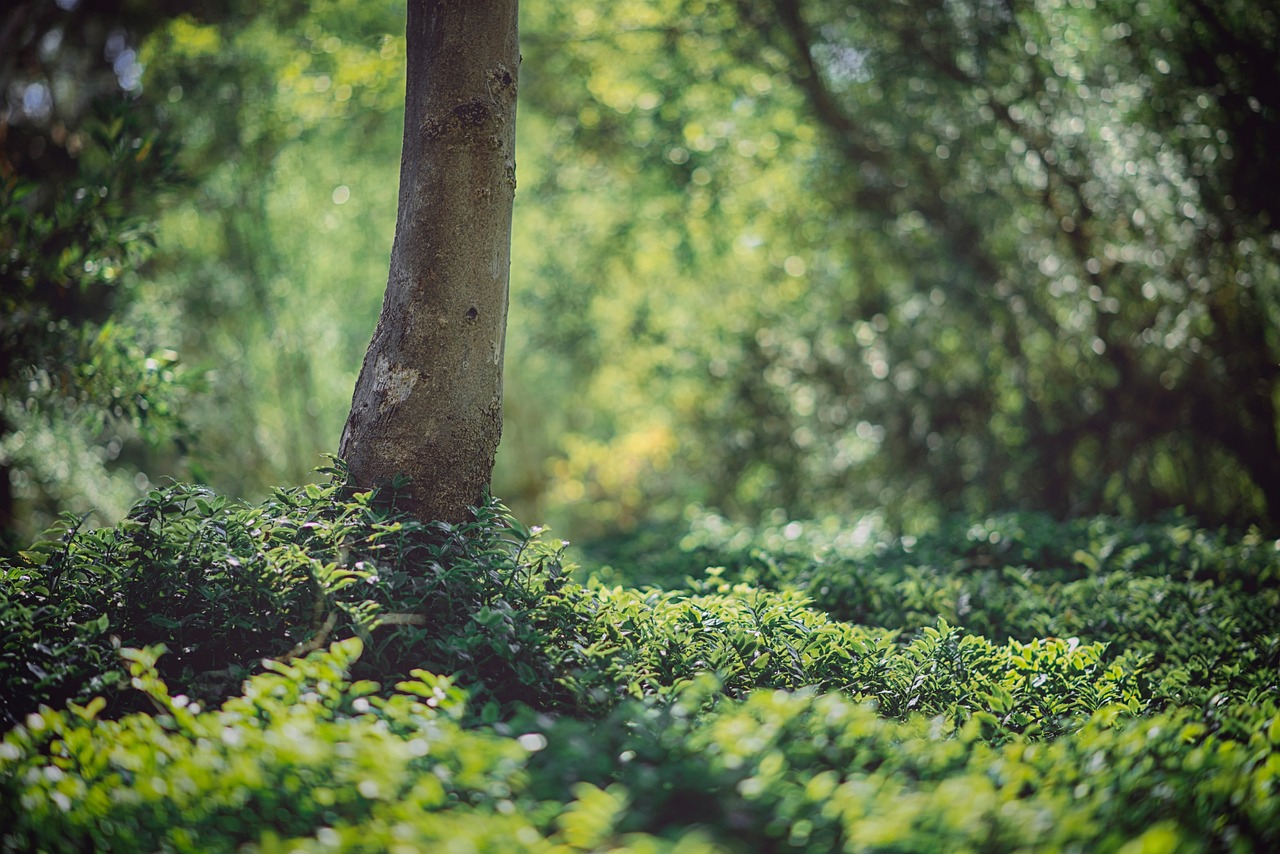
point(320, 673)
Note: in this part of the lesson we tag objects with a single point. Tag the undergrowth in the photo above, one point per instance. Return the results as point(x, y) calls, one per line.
point(319, 672)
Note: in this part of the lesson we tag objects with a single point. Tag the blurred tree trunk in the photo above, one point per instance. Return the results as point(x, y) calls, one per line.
point(8, 509)
point(428, 403)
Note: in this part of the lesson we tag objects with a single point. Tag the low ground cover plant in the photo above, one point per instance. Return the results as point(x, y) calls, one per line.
point(318, 672)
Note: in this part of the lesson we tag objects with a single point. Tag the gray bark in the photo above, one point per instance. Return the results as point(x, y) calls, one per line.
point(428, 403)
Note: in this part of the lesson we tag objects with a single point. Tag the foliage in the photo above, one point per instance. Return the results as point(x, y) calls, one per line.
point(304, 760)
point(754, 639)
point(271, 271)
point(82, 165)
point(300, 751)
point(1183, 599)
point(918, 256)
point(807, 772)
point(726, 713)
point(223, 583)
point(273, 116)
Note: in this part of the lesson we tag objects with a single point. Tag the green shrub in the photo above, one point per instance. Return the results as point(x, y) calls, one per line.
point(304, 759)
point(223, 584)
point(653, 644)
point(1084, 686)
point(1201, 607)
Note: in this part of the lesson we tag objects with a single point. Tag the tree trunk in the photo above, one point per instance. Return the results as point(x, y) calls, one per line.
point(428, 403)
point(8, 506)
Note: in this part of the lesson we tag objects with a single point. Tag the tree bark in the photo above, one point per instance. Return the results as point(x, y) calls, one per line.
point(428, 403)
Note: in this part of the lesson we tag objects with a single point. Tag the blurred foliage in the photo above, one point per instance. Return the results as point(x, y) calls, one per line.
point(725, 715)
point(82, 162)
point(273, 269)
point(917, 256)
point(796, 255)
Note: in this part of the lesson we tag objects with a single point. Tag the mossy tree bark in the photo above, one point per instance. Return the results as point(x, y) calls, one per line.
point(428, 403)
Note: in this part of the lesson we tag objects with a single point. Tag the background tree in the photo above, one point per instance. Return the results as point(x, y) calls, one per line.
point(428, 403)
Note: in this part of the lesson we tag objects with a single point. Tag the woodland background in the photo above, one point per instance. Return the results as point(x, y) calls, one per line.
point(771, 260)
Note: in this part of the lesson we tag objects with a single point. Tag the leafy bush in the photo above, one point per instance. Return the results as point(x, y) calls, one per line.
point(1132, 705)
point(1199, 606)
point(301, 753)
point(223, 584)
point(654, 643)
point(823, 773)
point(307, 760)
